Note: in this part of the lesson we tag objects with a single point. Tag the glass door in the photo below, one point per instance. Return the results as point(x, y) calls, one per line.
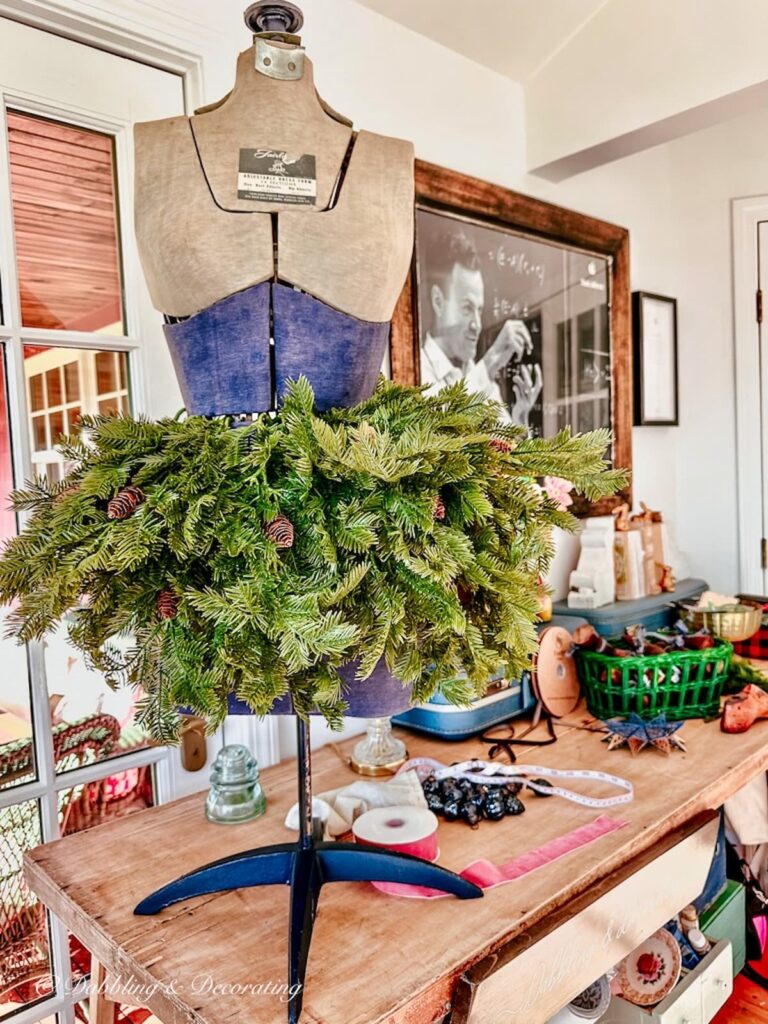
point(77, 335)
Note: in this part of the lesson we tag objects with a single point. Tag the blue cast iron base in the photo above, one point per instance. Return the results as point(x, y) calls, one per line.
point(306, 866)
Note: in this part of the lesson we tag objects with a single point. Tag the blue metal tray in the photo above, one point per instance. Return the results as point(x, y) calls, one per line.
point(438, 717)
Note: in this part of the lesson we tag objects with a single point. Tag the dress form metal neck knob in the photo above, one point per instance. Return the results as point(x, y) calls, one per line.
point(274, 16)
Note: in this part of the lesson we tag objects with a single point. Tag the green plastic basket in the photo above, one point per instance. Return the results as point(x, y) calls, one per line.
point(643, 684)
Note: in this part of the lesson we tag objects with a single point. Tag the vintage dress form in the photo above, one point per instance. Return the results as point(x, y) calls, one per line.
point(321, 278)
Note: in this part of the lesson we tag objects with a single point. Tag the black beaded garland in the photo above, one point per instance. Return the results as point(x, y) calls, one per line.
point(512, 805)
point(545, 784)
point(472, 801)
point(435, 802)
point(494, 807)
point(470, 814)
point(430, 785)
point(451, 810)
point(452, 794)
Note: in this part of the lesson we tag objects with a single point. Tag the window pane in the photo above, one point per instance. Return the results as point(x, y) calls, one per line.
point(36, 393)
point(25, 966)
point(53, 387)
point(17, 763)
point(109, 406)
point(39, 436)
point(64, 213)
point(56, 422)
point(91, 722)
point(72, 381)
point(106, 372)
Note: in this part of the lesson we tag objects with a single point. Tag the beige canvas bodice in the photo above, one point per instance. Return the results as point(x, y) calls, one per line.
point(199, 244)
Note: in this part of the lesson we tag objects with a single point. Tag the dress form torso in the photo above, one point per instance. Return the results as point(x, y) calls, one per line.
point(200, 243)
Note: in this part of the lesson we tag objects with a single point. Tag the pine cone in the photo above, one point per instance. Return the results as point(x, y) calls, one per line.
point(125, 502)
point(501, 445)
point(465, 595)
point(280, 530)
point(438, 509)
point(167, 604)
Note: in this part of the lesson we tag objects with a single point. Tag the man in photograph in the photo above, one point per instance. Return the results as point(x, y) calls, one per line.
point(456, 291)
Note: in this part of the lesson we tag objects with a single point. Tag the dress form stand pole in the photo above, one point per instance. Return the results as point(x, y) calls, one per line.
point(306, 866)
point(307, 863)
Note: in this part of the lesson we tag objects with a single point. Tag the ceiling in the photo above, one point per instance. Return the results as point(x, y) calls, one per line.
point(514, 37)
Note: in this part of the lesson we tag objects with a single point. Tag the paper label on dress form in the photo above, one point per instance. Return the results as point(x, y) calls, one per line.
point(273, 175)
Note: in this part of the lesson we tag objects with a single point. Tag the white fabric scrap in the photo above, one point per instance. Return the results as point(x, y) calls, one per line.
point(339, 808)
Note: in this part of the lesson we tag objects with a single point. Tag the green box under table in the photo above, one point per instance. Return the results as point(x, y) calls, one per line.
point(726, 919)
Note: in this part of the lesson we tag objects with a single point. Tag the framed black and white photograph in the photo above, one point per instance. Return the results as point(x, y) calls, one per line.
point(523, 321)
point(655, 358)
point(527, 302)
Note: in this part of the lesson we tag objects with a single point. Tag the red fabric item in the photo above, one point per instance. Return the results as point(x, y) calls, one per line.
point(757, 645)
point(488, 875)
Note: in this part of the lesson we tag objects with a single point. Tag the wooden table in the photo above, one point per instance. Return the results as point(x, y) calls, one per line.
point(375, 959)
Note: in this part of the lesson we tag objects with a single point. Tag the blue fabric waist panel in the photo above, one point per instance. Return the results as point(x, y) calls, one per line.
point(221, 355)
point(339, 354)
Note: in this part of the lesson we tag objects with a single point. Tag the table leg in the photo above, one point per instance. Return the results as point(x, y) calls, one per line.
point(101, 1009)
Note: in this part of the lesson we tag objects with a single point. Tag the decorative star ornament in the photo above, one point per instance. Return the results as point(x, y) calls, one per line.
point(637, 734)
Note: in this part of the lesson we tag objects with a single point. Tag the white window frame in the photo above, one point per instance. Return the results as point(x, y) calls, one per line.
point(172, 43)
point(13, 336)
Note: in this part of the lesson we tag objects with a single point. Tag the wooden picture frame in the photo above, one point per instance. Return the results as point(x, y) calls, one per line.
point(440, 190)
point(655, 368)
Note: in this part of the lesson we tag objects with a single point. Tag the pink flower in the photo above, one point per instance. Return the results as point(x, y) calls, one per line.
point(559, 491)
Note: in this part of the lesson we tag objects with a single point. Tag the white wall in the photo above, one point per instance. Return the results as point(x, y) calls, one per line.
point(636, 71)
point(384, 77)
point(675, 200)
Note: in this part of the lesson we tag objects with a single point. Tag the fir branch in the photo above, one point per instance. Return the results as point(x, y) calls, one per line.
point(372, 572)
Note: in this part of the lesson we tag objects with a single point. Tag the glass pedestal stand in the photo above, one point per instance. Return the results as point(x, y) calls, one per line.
point(380, 753)
point(305, 865)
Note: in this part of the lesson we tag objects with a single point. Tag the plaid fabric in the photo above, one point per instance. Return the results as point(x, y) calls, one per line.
point(757, 645)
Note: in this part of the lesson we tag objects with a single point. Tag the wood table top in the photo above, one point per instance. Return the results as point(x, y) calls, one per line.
point(375, 959)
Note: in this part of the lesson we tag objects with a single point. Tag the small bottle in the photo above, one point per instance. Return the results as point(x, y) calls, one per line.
point(690, 959)
point(699, 942)
point(689, 918)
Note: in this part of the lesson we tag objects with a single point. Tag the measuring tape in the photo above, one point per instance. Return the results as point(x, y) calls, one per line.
point(490, 773)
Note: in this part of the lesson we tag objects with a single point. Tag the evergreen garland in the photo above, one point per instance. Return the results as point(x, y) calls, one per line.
point(202, 579)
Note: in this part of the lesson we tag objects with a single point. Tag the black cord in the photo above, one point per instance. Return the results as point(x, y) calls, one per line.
point(506, 743)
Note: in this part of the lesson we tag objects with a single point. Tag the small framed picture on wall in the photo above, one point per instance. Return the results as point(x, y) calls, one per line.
point(654, 319)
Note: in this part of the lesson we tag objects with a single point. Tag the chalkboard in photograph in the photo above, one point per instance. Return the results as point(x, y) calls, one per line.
point(525, 301)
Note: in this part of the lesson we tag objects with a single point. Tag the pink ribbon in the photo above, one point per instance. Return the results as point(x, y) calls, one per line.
point(488, 875)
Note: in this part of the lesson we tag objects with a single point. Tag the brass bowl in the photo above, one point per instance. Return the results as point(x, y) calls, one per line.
point(734, 622)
